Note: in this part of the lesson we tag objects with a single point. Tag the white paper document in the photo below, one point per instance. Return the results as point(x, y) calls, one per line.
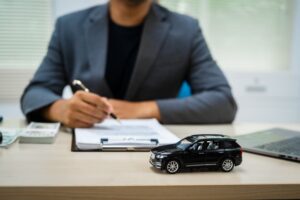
point(130, 134)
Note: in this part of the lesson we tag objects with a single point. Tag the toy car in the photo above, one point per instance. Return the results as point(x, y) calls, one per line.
point(203, 150)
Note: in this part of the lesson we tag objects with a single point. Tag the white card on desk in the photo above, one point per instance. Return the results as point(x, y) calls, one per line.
point(139, 133)
point(40, 133)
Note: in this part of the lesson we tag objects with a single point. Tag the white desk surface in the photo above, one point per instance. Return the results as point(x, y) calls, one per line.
point(36, 171)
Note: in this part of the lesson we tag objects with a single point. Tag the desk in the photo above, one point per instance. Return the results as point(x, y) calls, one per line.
point(29, 171)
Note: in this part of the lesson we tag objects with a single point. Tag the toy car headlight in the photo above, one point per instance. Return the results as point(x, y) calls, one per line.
point(160, 156)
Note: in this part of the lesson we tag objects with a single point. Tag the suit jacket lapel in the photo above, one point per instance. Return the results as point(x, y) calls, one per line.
point(97, 37)
point(154, 34)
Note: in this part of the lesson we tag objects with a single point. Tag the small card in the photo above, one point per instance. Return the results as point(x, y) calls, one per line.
point(40, 133)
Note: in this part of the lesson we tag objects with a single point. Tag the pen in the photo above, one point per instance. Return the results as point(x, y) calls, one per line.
point(80, 84)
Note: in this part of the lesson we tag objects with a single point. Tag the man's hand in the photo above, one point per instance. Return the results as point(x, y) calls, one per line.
point(131, 110)
point(82, 110)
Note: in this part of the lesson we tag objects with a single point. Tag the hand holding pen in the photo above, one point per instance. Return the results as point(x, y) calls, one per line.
point(82, 86)
point(82, 110)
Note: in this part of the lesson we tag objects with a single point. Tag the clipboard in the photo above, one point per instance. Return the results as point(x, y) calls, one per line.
point(132, 135)
point(74, 147)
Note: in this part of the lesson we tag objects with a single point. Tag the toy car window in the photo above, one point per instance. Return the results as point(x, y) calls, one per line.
point(200, 146)
point(227, 144)
point(211, 145)
point(183, 144)
point(194, 147)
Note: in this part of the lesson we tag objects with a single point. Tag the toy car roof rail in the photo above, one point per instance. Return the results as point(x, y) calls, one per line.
point(205, 135)
point(199, 137)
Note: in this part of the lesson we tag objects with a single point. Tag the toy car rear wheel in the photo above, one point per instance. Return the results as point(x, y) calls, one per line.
point(227, 165)
point(172, 166)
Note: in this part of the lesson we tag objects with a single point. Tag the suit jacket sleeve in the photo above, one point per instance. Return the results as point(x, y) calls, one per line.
point(212, 101)
point(48, 82)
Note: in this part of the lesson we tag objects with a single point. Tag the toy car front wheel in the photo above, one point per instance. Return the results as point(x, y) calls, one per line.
point(227, 165)
point(172, 166)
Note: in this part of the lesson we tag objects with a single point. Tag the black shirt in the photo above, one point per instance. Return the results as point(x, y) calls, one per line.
point(123, 46)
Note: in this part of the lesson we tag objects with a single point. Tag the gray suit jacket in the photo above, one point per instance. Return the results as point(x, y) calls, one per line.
point(172, 50)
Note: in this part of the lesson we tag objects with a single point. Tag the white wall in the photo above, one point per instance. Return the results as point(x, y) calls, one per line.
point(273, 97)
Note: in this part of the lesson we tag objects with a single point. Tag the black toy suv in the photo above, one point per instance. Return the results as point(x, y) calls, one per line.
point(203, 150)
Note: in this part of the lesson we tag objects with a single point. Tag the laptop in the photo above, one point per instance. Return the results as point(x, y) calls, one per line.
point(276, 142)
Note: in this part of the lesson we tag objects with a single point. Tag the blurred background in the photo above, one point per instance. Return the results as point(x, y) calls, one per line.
point(256, 43)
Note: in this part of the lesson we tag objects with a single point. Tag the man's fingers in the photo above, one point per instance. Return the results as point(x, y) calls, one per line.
point(95, 100)
point(85, 118)
point(110, 107)
point(91, 110)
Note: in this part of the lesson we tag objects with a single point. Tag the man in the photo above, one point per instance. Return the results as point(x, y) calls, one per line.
point(133, 55)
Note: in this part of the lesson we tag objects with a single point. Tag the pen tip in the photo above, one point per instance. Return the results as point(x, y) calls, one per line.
point(114, 116)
